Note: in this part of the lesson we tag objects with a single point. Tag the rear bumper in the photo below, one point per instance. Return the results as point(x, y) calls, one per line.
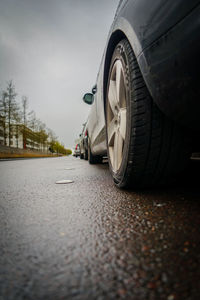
point(171, 70)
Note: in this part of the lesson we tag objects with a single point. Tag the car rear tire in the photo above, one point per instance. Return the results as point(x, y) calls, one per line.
point(93, 159)
point(144, 147)
point(85, 155)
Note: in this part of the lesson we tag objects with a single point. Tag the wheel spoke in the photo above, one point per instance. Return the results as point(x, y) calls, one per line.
point(118, 147)
point(112, 96)
point(120, 150)
point(111, 132)
point(122, 127)
point(118, 79)
point(120, 89)
point(115, 163)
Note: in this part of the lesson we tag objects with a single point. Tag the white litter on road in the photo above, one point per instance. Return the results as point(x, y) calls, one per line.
point(64, 181)
point(159, 204)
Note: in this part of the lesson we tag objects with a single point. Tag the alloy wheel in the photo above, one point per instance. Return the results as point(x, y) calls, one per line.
point(116, 115)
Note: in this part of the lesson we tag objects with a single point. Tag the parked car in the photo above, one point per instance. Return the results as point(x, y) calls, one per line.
point(84, 143)
point(145, 106)
point(77, 151)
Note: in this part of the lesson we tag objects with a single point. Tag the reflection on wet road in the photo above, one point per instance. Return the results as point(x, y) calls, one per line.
point(90, 240)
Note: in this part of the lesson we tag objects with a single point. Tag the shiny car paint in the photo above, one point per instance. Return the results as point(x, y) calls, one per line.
point(164, 36)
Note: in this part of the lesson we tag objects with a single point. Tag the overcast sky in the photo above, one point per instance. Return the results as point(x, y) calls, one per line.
point(52, 49)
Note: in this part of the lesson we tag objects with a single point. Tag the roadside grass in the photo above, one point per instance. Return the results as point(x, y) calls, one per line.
point(25, 155)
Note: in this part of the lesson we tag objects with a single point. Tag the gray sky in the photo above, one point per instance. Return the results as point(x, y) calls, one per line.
point(52, 49)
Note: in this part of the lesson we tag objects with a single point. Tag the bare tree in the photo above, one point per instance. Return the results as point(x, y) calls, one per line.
point(42, 136)
point(16, 121)
point(32, 123)
point(16, 125)
point(52, 140)
point(24, 109)
point(4, 113)
point(32, 120)
point(12, 108)
point(24, 118)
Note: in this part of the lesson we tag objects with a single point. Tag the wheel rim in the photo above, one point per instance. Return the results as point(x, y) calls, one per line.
point(116, 115)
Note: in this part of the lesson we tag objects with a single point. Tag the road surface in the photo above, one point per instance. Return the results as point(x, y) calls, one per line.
point(90, 240)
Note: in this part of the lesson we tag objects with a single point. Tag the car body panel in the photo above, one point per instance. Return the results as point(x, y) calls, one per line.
point(144, 21)
point(83, 139)
point(92, 121)
point(164, 37)
point(171, 69)
point(96, 120)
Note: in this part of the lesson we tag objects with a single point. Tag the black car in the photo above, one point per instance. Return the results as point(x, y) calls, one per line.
point(146, 105)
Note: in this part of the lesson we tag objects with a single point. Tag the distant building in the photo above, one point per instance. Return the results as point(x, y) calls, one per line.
point(16, 138)
point(23, 137)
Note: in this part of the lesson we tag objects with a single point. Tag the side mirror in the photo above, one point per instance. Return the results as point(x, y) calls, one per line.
point(94, 89)
point(88, 98)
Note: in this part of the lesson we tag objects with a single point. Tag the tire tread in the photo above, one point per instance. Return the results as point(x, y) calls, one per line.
point(158, 150)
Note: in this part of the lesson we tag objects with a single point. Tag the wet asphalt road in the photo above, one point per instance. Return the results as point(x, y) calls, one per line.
point(90, 240)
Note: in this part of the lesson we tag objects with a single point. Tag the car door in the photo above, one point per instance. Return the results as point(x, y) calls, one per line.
point(99, 142)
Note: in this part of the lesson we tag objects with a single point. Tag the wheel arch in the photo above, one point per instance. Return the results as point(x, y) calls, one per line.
point(122, 30)
point(115, 38)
